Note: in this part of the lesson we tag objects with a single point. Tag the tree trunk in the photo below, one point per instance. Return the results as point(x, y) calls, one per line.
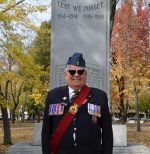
point(13, 116)
point(126, 110)
point(6, 127)
point(112, 14)
point(38, 117)
point(121, 85)
point(15, 96)
point(137, 110)
point(122, 109)
point(6, 123)
point(22, 114)
point(33, 116)
point(23, 106)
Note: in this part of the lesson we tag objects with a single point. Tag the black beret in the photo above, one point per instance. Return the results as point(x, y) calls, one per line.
point(76, 59)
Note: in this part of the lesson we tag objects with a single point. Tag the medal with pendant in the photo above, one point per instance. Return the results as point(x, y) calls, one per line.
point(95, 111)
point(94, 119)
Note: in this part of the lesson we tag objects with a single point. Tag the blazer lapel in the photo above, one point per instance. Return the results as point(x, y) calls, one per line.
point(65, 94)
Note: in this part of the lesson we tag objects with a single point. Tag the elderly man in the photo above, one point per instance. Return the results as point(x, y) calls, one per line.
point(76, 118)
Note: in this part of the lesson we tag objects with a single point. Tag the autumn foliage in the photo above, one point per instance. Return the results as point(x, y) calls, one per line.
point(20, 75)
point(129, 56)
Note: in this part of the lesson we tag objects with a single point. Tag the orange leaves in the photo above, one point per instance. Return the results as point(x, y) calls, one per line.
point(129, 49)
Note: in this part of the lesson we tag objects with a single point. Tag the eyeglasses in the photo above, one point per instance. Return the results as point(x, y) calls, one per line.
point(73, 72)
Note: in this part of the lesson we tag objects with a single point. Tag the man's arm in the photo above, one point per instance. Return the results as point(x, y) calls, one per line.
point(46, 128)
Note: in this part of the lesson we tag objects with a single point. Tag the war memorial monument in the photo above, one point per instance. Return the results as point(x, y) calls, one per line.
point(81, 26)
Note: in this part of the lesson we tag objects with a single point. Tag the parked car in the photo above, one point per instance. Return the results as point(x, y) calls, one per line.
point(134, 120)
point(115, 118)
point(131, 120)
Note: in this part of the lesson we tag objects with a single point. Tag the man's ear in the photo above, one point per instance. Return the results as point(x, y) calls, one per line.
point(65, 73)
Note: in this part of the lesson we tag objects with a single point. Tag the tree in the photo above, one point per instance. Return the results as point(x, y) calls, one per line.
point(119, 50)
point(35, 105)
point(140, 62)
point(41, 45)
point(12, 16)
point(144, 100)
point(40, 51)
point(129, 55)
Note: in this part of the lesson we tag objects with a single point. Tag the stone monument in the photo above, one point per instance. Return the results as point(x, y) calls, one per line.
point(81, 26)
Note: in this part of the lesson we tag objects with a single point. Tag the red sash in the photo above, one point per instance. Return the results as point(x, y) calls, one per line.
point(65, 121)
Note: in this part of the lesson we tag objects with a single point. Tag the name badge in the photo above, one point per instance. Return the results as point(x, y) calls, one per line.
point(94, 110)
point(56, 109)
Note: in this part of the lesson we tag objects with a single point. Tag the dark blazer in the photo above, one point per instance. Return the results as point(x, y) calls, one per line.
point(91, 138)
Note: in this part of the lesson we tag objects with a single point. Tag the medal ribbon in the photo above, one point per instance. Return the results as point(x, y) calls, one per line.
point(66, 120)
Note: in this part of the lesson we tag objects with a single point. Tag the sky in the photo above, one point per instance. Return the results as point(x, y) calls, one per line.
point(37, 18)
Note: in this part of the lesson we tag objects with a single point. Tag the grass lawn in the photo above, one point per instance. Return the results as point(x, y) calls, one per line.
point(142, 137)
point(19, 132)
point(24, 132)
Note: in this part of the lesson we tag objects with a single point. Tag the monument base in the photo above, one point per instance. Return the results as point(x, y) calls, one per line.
point(29, 148)
point(120, 143)
point(131, 149)
point(24, 148)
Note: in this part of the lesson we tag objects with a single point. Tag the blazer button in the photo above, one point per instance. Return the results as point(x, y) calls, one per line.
point(75, 129)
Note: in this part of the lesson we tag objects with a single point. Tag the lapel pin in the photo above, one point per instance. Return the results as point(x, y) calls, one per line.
point(64, 98)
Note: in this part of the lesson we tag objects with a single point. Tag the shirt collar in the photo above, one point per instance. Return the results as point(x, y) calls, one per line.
point(70, 92)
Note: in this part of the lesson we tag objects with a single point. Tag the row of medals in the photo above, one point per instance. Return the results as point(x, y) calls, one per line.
point(58, 109)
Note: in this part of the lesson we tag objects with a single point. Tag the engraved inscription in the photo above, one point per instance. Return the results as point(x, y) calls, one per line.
point(91, 11)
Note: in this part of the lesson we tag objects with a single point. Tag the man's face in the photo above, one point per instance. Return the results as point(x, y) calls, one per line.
point(75, 76)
